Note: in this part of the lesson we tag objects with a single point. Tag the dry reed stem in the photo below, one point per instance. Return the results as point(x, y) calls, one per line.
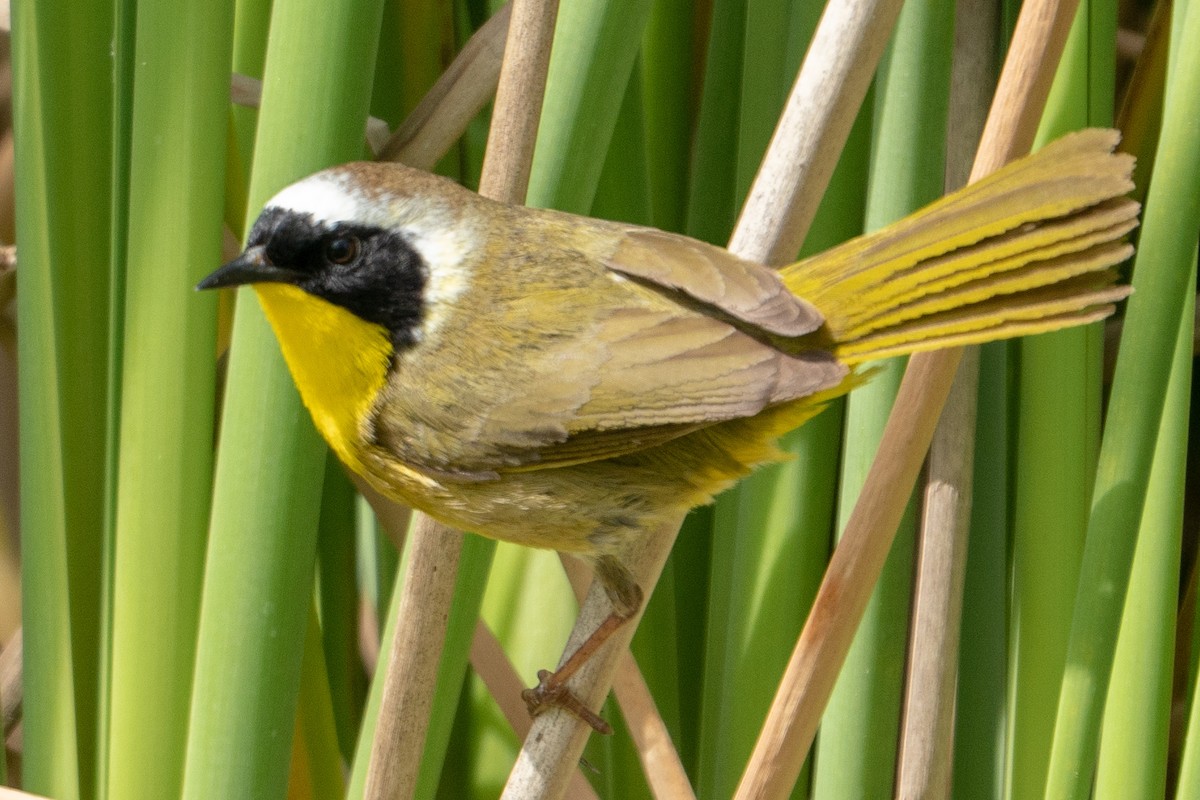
point(854, 568)
point(785, 195)
point(509, 155)
point(518, 106)
point(454, 100)
point(927, 724)
point(244, 90)
point(491, 664)
point(849, 579)
point(11, 688)
point(412, 666)
point(830, 87)
point(16, 794)
point(660, 760)
point(925, 760)
point(8, 181)
point(556, 740)
point(1037, 45)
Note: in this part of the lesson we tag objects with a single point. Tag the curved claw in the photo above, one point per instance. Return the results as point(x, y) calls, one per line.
point(552, 693)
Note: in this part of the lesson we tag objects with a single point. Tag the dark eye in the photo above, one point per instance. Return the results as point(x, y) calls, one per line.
point(341, 249)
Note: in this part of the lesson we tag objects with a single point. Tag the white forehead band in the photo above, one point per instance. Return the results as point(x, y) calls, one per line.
point(326, 197)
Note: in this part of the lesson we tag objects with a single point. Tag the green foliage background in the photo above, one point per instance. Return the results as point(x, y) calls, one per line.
point(197, 578)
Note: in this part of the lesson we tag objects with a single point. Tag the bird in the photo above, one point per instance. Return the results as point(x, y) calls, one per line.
point(571, 383)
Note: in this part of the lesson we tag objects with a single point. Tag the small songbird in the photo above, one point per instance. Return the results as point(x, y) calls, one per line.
point(571, 383)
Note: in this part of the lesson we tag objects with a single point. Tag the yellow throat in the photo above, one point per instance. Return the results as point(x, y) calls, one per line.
point(338, 360)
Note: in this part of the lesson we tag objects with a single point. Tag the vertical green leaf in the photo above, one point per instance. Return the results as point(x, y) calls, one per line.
point(251, 21)
point(338, 603)
point(270, 467)
point(856, 749)
point(595, 46)
point(1057, 436)
point(1133, 750)
point(1163, 276)
point(668, 108)
point(165, 463)
point(316, 765)
point(712, 203)
point(773, 532)
point(64, 202)
point(622, 191)
point(980, 744)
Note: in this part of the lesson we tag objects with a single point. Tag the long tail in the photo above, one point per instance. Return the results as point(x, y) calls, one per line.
point(1028, 249)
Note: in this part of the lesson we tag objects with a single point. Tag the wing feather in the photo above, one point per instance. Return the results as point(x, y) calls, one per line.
point(614, 357)
point(742, 289)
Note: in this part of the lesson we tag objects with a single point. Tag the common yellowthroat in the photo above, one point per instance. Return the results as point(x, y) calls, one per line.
point(569, 383)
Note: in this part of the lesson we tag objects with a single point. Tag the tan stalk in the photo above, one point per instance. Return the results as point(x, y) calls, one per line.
point(15, 794)
point(509, 155)
point(412, 663)
point(660, 760)
point(830, 87)
point(927, 727)
point(854, 568)
point(784, 197)
point(457, 96)
point(11, 690)
point(555, 742)
point(665, 774)
point(491, 664)
point(852, 573)
point(8, 179)
point(244, 90)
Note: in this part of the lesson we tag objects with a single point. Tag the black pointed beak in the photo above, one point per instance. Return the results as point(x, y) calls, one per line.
point(251, 266)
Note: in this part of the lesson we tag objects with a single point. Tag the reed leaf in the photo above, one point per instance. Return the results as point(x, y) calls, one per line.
point(271, 466)
point(164, 467)
point(175, 640)
point(1133, 760)
point(773, 531)
point(64, 226)
point(908, 157)
point(1168, 241)
point(338, 604)
point(1057, 435)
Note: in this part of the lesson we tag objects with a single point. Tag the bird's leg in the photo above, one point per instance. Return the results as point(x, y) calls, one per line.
point(551, 691)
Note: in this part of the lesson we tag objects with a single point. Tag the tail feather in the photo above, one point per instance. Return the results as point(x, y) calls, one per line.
point(1088, 298)
point(1026, 250)
point(1031, 256)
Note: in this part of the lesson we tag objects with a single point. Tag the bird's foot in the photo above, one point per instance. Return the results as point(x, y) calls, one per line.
point(551, 692)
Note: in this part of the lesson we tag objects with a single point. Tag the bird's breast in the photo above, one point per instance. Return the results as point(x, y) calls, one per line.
point(338, 361)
